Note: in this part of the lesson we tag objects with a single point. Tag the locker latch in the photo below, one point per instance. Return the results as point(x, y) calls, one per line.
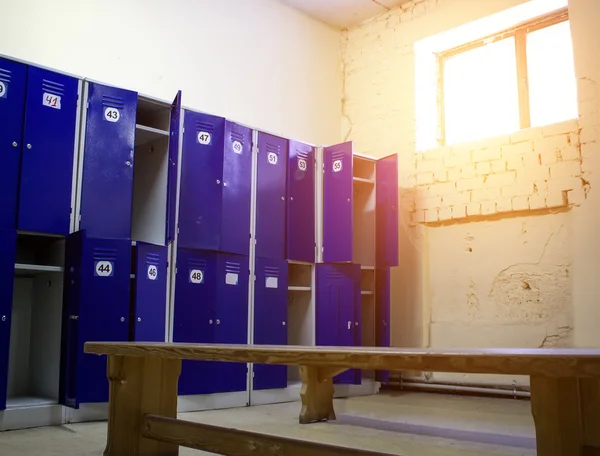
point(349, 324)
point(73, 317)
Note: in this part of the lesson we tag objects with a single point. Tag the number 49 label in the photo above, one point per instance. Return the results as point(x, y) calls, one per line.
point(103, 268)
point(2, 90)
point(51, 100)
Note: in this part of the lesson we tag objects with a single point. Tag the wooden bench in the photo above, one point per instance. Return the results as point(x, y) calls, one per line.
point(565, 393)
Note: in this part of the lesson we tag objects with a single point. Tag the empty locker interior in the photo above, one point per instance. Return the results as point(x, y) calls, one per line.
point(35, 337)
point(367, 311)
point(301, 309)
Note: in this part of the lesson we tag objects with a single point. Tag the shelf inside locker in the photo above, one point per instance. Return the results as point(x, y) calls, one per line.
point(39, 252)
point(295, 288)
point(367, 293)
point(363, 168)
point(144, 134)
point(367, 268)
point(33, 269)
point(28, 401)
point(362, 180)
point(153, 113)
point(367, 281)
point(299, 275)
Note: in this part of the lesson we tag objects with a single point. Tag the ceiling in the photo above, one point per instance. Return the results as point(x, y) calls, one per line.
point(342, 14)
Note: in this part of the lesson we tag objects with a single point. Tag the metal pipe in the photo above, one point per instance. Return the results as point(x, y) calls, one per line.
point(463, 389)
point(494, 386)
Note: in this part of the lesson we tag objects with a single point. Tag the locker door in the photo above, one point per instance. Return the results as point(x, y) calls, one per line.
point(173, 161)
point(13, 80)
point(270, 196)
point(107, 181)
point(358, 319)
point(151, 293)
point(200, 199)
point(348, 329)
point(48, 152)
point(328, 279)
point(301, 203)
point(382, 315)
point(8, 243)
point(232, 318)
point(270, 318)
point(386, 222)
point(337, 203)
point(237, 183)
point(194, 315)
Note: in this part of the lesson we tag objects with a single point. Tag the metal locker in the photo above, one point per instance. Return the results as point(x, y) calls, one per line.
point(96, 308)
point(271, 196)
point(382, 315)
point(8, 245)
point(270, 318)
point(175, 126)
point(47, 158)
point(149, 292)
point(386, 224)
point(107, 179)
point(338, 204)
point(300, 239)
point(13, 82)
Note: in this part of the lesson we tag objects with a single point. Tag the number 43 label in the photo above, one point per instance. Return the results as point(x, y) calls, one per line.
point(103, 268)
point(112, 114)
point(51, 100)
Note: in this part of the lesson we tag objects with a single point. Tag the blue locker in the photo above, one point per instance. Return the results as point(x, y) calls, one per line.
point(300, 239)
point(8, 244)
point(386, 200)
point(270, 318)
point(47, 155)
point(214, 204)
point(271, 196)
point(13, 82)
point(382, 315)
point(96, 308)
point(149, 291)
point(175, 123)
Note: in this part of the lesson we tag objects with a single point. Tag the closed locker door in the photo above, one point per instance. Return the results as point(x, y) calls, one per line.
point(8, 243)
point(175, 127)
point(348, 329)
point(237, 183)
point(194, 315)
point(232, 318)
point(382, 315)
point(337, 203)
point(150, 293)
point(13, 80)
point(328, 282)
point(270, 318)
point(386, 217)
point(107, 179)
point(200, 199)
point(270, 196)
point(47, 155)
point(301, 203)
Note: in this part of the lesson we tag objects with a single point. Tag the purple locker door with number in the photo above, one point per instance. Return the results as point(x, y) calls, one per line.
point(8, 244)
point(107, 181)
point(200, 197)
point(301, 203)
point(13, 81)
point(270, 196)
point(237, 183)
point(175, 125)
point(337, 203)
point(382, 314)
point(386, 195)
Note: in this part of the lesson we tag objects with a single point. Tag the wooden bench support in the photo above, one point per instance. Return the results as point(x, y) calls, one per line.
point(566, 412)
point(139, 386)
point(317, 393)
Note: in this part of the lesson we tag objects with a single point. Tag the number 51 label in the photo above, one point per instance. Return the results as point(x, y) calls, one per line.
point(103, 268)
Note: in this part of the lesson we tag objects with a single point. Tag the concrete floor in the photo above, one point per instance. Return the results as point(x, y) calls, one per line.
point(407, 424)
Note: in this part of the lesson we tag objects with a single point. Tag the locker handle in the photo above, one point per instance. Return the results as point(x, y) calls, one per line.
point(384, 322)
point(29, 146)
point(15, 144)
point(3, 317)
point(73, 317)
point(283, 323)
point(122, 319)
point(210, 322)
point(349, 324)
point(218, 321)
point(139, 320)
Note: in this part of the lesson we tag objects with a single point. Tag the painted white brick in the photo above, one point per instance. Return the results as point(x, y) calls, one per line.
point(550, 143)
point(473, 209)
point(431, 215)
point(467, 172)
point(484, 167)
point(504, 205)
point(459, 211)
point(453, 174)
point(440, 175)
point(526, 134)
point(537, 202)
point(536, 173)
point(589, 134)
point(456, 199)
point(457, 159)
point(488, 207)
point(498, 166)
point(521, 148)
point(493, 153)
point(556, 199)
point(521, 189)
point(549, 156)
point(424, 178)
point(424, 166)
point(563, 185)
point(514, 163)
point(443, 188)
point(428, 203)
point(574, 139)
point(570, 153)
point(561, 128)
point(520, 203)
point(418, 216)
point(445, 213)
point(469, 184)
point(488, 194)
point(565, 169)
point(500, 179)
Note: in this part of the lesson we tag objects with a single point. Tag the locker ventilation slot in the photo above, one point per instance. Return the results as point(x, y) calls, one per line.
point(337, 155)
point(302, 154)
point(271, 271)
point(196, 263)
point(205, 126)
point(273, 148)
point(153, 258)
point(232, 267)
point(235, 136)
point(54, 88)
point(105, 254)
point(113, 102)
point(5, 75)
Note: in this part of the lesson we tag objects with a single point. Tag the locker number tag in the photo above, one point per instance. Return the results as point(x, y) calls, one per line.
point(103, 268)
point(196, 276)
point(231, 278)
point(204, 138)
point(51, 100)
point(2, 90)
point(152, 272)
point(237, 147)
point(271, 282)
point(272, 157)
point(112, 114)
point(337, 166)
point(301, 164)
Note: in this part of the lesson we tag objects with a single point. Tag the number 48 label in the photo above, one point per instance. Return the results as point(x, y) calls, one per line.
point(196, 276)
point(51, 100)
point(2, 90)
point(104, 268)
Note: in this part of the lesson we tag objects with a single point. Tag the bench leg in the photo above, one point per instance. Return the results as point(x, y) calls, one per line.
point(317, 393)
point(140, 386)
point(566, 412)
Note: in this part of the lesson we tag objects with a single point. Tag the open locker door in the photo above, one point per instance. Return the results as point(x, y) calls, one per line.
point(8, 245)
point(174, 149)
point(382, 315)
point(386, 221)
point(338, 203)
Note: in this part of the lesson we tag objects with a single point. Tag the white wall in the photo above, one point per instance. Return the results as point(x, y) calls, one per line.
point(258, 62)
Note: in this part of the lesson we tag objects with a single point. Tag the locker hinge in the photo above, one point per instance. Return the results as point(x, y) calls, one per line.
point(182, 129)
point(175, 270)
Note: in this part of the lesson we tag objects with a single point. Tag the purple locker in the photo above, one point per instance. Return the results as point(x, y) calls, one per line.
point(300, 239)
point(338, 205)
point(386, 196)
point(173, 161)
point(382, 314)
point(270, 196)
point(8, 244)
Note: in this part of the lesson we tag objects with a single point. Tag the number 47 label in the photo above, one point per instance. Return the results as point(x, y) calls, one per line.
point(51, 100)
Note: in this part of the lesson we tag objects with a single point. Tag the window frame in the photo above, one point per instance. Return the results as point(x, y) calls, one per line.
point(519, 33)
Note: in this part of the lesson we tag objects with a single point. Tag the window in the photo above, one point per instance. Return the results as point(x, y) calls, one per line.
point(519, 78)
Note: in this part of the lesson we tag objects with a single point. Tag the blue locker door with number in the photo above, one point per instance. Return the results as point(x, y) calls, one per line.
point(107, 181)
point(13, 81)
point(173, 161)
point(338, 206)
point(270, 196)
point(270, 318)
point(194, 315)
point(150, 293)
point(301, 203)
point(47, 156)
point(237, 183)
point(200, 199)
point(8, 243)
point(232, 318)
point(382, 315)
point(386, 196)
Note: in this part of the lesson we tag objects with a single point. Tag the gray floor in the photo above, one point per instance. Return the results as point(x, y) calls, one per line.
point(408, 424)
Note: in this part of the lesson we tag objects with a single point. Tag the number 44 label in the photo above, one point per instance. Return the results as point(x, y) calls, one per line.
point(51, 100)
point(103, 268)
